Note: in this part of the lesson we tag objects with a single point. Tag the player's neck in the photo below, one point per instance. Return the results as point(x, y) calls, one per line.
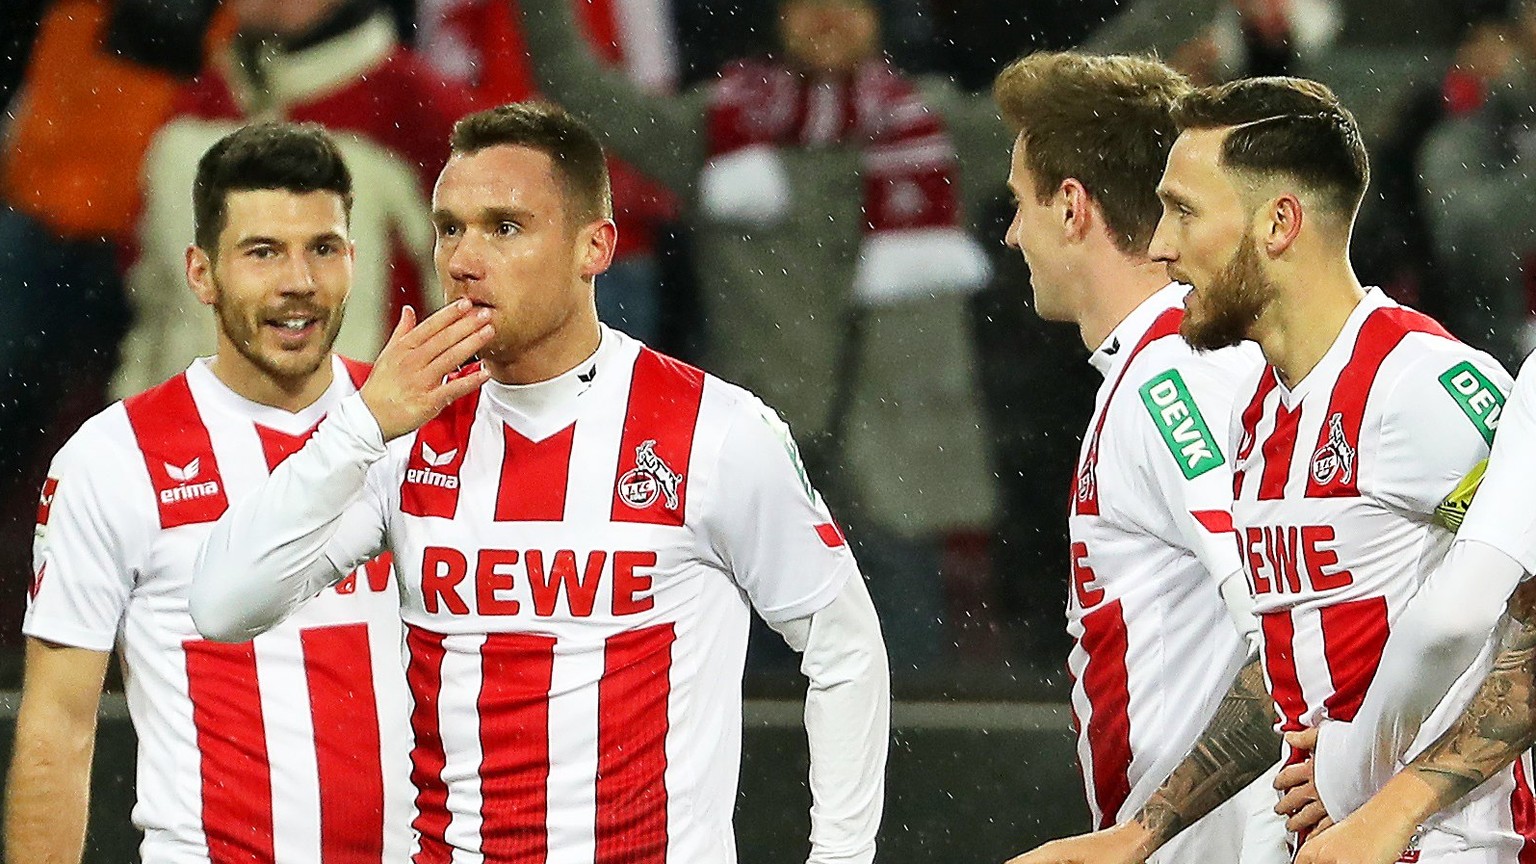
point(553, 355)
point(1306, 318)
point(256, 385)
point(1116, 288)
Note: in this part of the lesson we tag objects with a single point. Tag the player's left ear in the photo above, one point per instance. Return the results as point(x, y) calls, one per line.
point(1077, 209)
point(200, 275)
point(595, 246)
point(1285, 217)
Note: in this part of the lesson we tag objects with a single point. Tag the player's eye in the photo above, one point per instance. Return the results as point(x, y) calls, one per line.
point(262, 253)
point(445, 229)
point(506, 228)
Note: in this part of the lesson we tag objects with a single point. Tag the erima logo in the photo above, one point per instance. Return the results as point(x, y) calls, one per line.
point(428, 477)
point(187, 490)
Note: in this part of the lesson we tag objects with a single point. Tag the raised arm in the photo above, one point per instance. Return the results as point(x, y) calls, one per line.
point(662, 135)
point(312, 520)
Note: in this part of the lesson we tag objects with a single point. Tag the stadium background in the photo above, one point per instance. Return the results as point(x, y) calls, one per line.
point(982, 762)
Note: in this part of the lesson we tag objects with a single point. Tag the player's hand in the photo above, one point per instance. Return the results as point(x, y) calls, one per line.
point(1122, 844)
point(406, 387)
point(1356, 841)
point(1299, 801)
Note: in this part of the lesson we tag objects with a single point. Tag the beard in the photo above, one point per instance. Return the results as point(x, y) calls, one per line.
point(244, 326)
point(1222, 313)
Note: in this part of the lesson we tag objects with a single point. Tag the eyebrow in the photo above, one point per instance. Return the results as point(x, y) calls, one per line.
point(487, 214)
point(1172, 197)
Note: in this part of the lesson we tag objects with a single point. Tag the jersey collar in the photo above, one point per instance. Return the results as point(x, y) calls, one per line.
point(1118, 344)
point(558, 395)
point(212, 393)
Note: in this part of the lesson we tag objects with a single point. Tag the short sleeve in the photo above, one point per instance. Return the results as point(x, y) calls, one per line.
point(768, 525)
point(1437, 422)
point(1503, 512)
point(1188, 408)
point(88, 542)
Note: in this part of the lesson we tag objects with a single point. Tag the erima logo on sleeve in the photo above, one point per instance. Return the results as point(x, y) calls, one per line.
point(1177, 417)
point(1478, 398)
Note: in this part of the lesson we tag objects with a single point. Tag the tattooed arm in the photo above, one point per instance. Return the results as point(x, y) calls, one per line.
point(1238, 745)
point(1496, 727)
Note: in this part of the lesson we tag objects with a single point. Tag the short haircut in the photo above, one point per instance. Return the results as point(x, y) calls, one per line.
point(294, 157)
point(1106, 121)
point(1286, 126)
point(569, 143)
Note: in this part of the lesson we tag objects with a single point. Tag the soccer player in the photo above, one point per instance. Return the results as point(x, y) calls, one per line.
point(582, 527)
point(1159, 608)
point(1367, 416)
point(290, 748)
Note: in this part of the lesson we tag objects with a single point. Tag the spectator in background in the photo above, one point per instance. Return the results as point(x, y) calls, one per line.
point(834, 268)
point(1254, 38)
point(479, 43)
point(1474, 167)
point(77, 129)
point(333, 62)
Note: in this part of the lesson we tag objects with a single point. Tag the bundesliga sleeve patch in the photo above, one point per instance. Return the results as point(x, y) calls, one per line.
point(1478, 398)
point(1178, 418)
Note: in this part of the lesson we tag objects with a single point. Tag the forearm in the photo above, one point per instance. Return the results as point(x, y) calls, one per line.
point(1496, 727)
point(847, 722)
point(1238, 745)
point(662, 135)
point(48, 791)
point(267, 554)
point(1433, 642)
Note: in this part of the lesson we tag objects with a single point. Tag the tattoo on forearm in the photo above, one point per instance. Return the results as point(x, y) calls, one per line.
point(1500, 722)
point(1238, 745)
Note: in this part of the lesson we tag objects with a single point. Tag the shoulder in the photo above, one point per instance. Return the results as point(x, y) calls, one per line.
point(1432, 381)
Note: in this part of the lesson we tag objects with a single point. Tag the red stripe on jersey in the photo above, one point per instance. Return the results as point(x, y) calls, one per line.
point(515, 672)
point(1354, 635)
point(1279, 634)
point(1214, 521)
point(1107, 686)
point(431, 484)
point(338, 667)
point(232, 747)
point(1383, 330)
point(424, 675)
point(1085, 484)
point(277, 445)
point(831, 535)
point(1276, 453)
point(652, 485)
point(1522, 810)
point(632, 747)
point(357, 370)
point(1250, 425)
point(178, 453)
point(534, 476)
point(45, 500)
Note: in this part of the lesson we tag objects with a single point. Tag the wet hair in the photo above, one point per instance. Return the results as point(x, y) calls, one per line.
point(1289, 127)
point(569, 143)
point(1106, 121)
point(294, 157)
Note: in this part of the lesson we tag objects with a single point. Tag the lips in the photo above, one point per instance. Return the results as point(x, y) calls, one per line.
point(294, 327)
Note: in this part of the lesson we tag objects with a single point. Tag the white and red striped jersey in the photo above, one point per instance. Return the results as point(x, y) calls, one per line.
point(1336, 480)
point(1156, 645)
point(579, 560)
point(290, 748)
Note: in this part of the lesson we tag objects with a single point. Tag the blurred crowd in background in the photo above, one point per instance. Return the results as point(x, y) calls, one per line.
point(939, 417)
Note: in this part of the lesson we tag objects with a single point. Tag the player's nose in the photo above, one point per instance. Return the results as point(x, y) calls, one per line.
point(1162, 248)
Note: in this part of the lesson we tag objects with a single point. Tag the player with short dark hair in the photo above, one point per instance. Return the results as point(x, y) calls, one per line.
point(291, 748)
point(582, 527)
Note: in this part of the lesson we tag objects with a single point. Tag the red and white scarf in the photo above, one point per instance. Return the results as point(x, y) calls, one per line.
point(913, 242)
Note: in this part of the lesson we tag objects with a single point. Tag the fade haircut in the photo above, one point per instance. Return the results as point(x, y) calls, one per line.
point(293, 157)
point(569, 143)
point(1106, 121)
point(1286, 126)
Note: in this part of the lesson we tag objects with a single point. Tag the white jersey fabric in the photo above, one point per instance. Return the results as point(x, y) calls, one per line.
point(579, 558)
point(1336, 480)
point(291, 748)
point(1156, 644)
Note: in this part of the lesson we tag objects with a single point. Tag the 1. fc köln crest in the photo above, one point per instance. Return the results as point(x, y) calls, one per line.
point(651, 478)
point(1336, 458)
